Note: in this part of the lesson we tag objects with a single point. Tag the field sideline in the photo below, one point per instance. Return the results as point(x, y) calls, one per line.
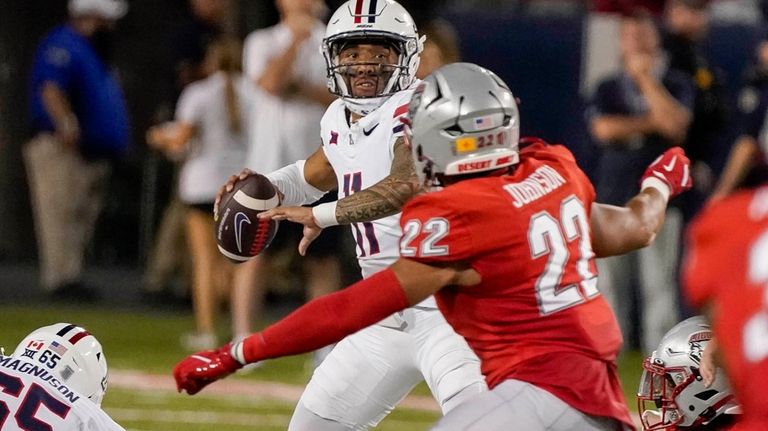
point(142, 346)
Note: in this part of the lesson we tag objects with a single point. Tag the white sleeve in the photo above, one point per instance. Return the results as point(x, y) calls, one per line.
point(97, 419)
point(190, 108)
point(255, 56)
point(294, 187)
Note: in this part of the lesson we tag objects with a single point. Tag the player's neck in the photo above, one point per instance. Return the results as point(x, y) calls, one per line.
point(354, 117)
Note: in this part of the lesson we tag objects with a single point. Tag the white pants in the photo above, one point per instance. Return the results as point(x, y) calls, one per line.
point(655, 270)
point(67, 194)
point(517, 405)
point(369, 372)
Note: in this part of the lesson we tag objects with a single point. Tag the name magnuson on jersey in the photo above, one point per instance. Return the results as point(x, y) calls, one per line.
point(36, 399)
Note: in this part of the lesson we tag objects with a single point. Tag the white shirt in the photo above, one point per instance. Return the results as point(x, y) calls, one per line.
point(44, 398)
point(361, 156)
point(215, 152)
point(285, 129)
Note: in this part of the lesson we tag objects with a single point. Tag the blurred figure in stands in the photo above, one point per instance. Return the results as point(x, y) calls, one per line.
point(285, 65)
point(746, 161)
point(686, 23)
point(209, 135)
point(81, 125)
point(190, 38)
point(635, 116)
point(440, 48)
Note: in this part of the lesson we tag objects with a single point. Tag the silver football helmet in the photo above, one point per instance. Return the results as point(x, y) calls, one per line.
point(462, 119)
point(383, 22)
point(671, 381)
point(72, 354)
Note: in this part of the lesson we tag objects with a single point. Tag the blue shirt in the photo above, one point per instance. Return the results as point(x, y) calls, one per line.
point(622, 164)
point(67, 59)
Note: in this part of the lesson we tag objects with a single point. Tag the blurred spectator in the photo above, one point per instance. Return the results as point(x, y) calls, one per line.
point(635, 116)
point(441, 46)
point(80, 123)
point(169, 256)
point(210, 135)
point(746, 157)
point(686, 25)
point(285, 64)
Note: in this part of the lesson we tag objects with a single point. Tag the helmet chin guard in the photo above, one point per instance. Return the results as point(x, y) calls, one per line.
point(382, 22)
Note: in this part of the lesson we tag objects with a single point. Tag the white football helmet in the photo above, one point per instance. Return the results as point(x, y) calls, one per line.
point(671, 381)
point(72, 354)
point(462, 119)
point(376, 22)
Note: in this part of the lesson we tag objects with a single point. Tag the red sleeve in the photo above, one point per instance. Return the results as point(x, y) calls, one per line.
point(433, 231)
point(328, 319)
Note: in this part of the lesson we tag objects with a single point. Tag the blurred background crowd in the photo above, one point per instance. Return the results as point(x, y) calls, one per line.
point(120, 120)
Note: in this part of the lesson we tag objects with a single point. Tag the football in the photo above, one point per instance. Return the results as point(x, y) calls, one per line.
point(240, 234)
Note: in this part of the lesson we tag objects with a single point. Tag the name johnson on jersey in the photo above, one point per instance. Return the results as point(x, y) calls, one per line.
point(543, 181)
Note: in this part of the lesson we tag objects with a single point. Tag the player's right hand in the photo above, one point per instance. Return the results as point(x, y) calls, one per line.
point(199, 370)
point(228, 186)
point(671, 168)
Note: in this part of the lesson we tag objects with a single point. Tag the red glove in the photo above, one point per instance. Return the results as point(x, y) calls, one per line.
point(671, 169)
point(199, 370)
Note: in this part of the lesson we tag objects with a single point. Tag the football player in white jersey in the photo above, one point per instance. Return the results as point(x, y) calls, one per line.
point(55, 380)
point(372, 53)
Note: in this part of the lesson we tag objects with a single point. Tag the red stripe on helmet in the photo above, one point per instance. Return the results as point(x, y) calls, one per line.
point(358, 11)
point(77, 337)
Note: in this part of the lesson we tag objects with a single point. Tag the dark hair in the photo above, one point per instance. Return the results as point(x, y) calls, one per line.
point(226, 55)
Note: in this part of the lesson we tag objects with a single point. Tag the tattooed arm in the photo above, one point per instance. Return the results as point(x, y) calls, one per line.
point(385, 197)
point(380, 200)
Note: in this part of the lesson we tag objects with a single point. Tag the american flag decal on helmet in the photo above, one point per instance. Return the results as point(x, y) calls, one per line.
point(360, 6)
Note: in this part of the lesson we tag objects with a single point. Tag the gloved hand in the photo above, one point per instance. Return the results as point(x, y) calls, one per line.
point(199, 370)
point(671, 169)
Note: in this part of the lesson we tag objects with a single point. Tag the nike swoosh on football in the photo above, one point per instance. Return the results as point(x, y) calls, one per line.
point(240, 218)
point(369, 131)
point(671, 165)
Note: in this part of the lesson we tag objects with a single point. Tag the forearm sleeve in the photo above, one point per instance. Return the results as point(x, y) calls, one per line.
point(327, 319)
point(294, 187)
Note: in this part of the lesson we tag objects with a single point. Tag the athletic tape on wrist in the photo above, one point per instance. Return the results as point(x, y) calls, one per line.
point(657, 184)
point(237, 352)
point(325, 214)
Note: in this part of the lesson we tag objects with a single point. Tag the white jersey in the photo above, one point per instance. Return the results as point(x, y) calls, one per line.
point(361, 155)
point(36, 400)
point(215, 152)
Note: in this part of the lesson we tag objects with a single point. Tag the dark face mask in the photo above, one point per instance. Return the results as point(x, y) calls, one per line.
point(103, 41)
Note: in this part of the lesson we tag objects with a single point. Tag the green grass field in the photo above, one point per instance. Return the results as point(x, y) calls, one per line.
point(147, 341)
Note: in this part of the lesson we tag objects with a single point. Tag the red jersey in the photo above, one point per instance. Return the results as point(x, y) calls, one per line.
point(727, 268)
point(537, 315)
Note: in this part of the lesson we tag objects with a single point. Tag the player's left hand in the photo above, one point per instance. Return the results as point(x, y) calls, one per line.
point(672, 168)
point(301, 215)
point(199, 370)
point(709, 363)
